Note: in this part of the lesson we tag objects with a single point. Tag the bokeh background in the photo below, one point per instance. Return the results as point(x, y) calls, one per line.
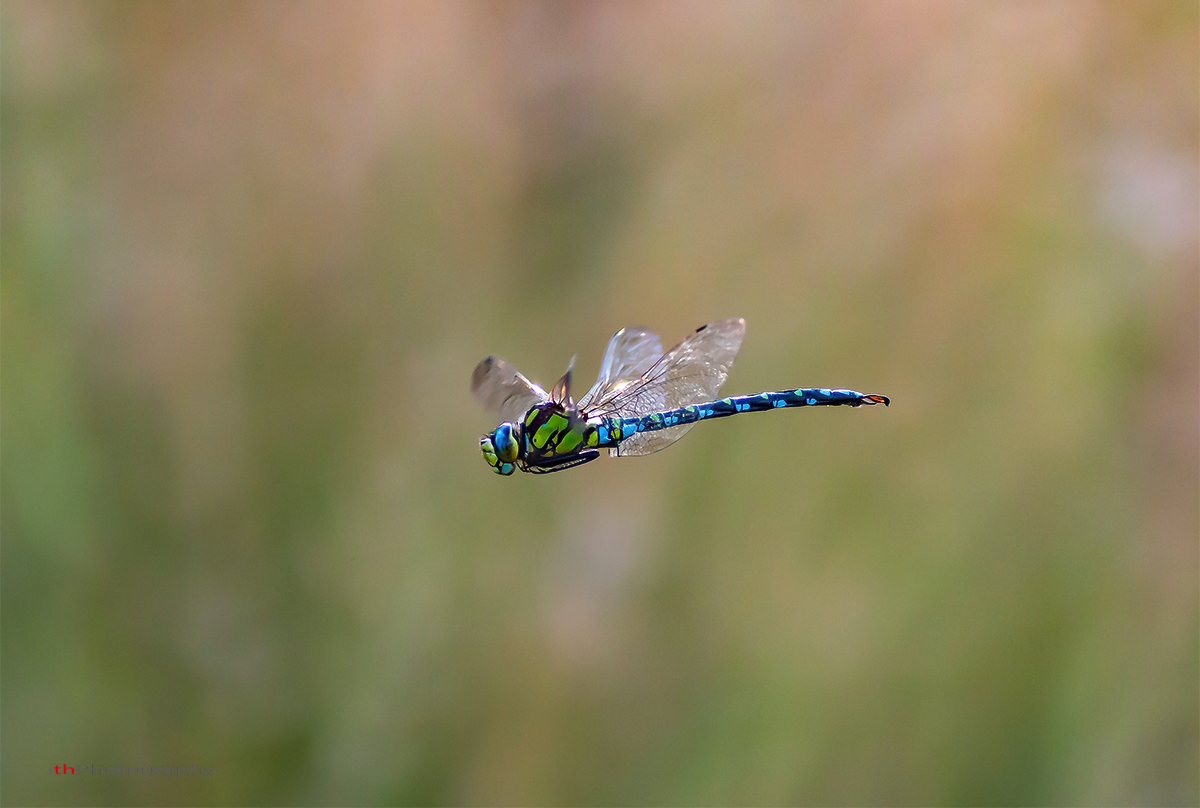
point(252, 252)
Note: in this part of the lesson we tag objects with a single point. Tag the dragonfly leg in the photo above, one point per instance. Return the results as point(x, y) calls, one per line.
point(562, 463)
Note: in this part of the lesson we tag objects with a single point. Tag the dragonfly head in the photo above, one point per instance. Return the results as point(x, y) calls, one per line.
point(500, 448)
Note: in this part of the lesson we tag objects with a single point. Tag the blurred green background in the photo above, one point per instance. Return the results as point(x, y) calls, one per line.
point(252, 252)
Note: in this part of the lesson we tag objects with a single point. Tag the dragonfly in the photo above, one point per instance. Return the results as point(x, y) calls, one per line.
point(643, 401)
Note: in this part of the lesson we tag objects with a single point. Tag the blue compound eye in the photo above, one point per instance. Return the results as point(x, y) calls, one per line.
point(500, 449)
point(505, 441)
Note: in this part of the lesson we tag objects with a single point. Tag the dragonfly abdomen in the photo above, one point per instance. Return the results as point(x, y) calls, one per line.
point(611, 431)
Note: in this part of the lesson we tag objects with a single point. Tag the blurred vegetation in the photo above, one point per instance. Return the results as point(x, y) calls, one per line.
point(251, 253)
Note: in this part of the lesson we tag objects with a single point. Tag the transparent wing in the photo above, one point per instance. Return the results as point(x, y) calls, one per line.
point(501, 389)
point(690, 373)
point(631, 352)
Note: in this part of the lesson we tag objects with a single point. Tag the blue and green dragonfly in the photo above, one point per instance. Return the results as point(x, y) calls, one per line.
point(643, 401)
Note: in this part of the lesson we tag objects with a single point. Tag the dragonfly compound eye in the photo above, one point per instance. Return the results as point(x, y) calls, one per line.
point(504, 439)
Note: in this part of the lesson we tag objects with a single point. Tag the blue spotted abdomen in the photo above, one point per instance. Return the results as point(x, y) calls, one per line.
point(609, 432)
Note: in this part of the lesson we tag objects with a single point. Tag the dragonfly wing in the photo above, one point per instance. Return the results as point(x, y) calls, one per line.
point(501, 389)
point(690, 373)
point(631, 352)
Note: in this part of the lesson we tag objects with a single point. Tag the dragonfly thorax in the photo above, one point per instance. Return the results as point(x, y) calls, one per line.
point(550, 430)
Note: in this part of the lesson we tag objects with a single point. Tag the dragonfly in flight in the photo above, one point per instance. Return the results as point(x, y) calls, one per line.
point(643, 401)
